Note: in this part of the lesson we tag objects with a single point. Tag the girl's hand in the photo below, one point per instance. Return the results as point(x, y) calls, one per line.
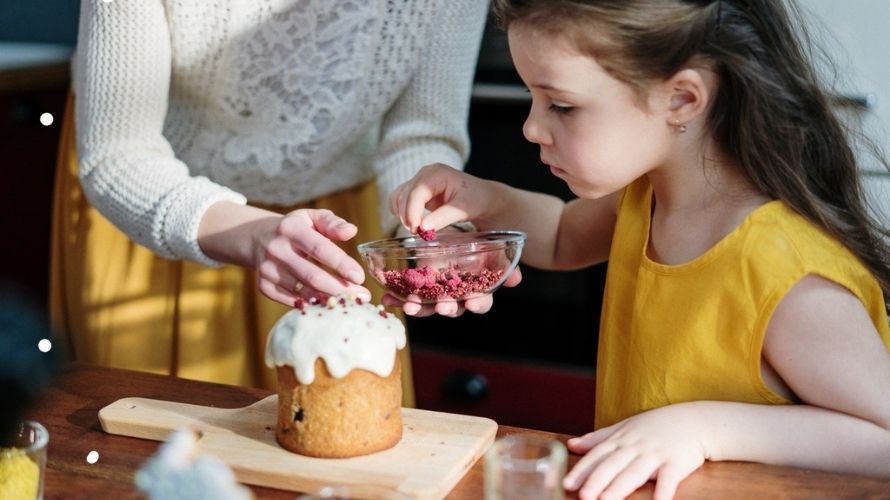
point(450, 308)
point(450, 195)
point(294, 252)
point(665, 444)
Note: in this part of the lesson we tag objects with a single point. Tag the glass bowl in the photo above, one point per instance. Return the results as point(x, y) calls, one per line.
point(454, 266)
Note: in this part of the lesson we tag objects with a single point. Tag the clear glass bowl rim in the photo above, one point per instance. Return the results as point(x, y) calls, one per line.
point(450, 243)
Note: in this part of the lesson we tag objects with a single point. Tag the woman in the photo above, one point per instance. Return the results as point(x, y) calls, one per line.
point(232, 133)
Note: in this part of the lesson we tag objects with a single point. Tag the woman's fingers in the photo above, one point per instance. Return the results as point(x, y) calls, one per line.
point(276, 293)
point(288, 269)
point(312, 239)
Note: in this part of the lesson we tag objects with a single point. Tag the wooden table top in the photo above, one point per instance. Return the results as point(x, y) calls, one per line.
point(69, 411)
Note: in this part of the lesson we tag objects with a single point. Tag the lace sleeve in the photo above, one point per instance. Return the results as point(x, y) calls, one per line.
point(127, 168)
point(428, 123)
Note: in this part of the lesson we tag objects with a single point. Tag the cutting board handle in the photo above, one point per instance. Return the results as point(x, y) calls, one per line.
point(155, 420)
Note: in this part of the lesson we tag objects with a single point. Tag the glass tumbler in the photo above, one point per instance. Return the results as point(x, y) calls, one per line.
point(22, 465)
point(525, 467)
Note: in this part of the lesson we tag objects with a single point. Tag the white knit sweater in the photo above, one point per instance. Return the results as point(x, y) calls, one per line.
point(183, 103)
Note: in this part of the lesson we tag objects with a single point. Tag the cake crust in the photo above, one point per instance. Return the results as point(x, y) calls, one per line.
point(339, 417)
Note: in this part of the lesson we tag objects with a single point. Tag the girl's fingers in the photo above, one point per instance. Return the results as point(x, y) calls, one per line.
point(667, 481)
point(398, 203)
point(443, 216)
point(415, 203)
point(449, 308)
point(514, 278)
point(586, 442)
point(479, 305)
point(603, 472)
point(393, 201)
point(579, 473)
point(626, 481)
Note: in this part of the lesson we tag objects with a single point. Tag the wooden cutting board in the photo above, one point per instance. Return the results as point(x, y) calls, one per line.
point(435, 452)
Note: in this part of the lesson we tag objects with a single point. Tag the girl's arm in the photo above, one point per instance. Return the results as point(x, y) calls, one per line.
point(824, 345)
point(560, 235)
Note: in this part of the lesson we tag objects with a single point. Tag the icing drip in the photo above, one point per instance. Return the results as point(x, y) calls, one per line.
point(345, 333)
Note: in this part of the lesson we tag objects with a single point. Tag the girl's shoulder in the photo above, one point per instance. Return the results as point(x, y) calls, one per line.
point(783, 241)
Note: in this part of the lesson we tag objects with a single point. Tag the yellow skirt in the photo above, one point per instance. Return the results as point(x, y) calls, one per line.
point(115, 303)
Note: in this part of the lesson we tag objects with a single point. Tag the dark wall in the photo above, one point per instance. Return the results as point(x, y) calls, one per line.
point(48, 21)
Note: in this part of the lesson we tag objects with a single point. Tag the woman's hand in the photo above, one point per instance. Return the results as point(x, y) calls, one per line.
point(293, 254)
point(291, 260)
point(666, 444)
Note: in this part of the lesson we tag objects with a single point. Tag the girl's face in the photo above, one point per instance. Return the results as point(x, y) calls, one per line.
point(590, 126)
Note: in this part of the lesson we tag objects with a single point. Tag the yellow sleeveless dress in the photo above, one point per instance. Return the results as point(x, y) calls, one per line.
point(675, 333)
point(115, 303)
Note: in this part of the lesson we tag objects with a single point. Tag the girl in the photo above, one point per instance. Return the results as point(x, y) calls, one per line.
point(744, 315)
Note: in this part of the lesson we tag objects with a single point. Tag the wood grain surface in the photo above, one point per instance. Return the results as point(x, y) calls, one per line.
point(435, 451)
point(70, 409)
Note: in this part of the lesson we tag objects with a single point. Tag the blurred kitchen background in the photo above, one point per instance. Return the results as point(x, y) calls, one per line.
point(529, 362)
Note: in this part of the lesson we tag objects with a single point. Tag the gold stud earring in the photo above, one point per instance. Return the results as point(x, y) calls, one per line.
point(679, 127)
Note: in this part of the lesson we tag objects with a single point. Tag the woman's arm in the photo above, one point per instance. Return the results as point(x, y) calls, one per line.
point(285, 250)
point(127, 168)
point(428, 123)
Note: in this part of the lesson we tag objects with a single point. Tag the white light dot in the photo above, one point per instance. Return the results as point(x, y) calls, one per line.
point(46, 119)
point(107, 1)
point(92, 457)
point(44, 345)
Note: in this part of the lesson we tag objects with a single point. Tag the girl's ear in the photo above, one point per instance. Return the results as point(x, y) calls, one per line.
point(689, 92)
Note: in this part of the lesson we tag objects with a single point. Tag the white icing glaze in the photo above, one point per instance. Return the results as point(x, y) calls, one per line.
point(344, 333)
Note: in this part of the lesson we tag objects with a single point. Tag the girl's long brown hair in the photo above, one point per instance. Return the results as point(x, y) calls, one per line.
point(771, 114)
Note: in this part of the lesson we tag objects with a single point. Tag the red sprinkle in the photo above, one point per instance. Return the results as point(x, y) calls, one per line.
point(427, 234)
point(431, 284)
point(299, 303)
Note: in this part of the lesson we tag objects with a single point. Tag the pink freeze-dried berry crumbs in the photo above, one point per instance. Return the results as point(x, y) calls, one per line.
point(427, 234)
point(431, 284)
